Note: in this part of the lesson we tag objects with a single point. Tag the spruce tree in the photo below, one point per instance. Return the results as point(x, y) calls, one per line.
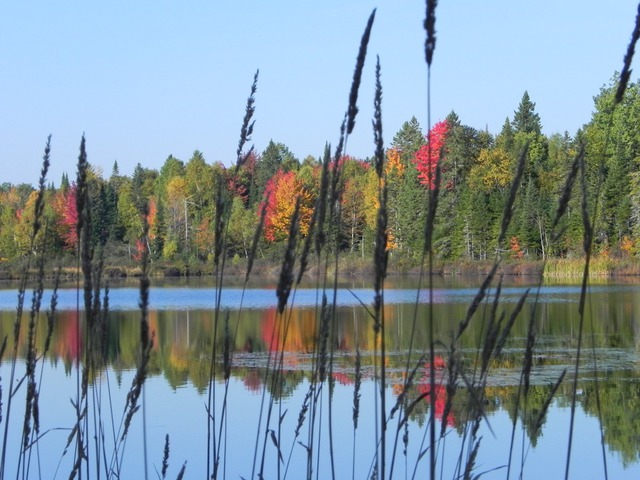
point(408, 141)
point(525, 118)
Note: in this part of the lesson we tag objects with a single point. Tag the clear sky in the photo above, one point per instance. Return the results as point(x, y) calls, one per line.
point(144, 79)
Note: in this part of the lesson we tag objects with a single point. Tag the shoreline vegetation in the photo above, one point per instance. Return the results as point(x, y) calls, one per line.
point(602, 267)
point(431, 210)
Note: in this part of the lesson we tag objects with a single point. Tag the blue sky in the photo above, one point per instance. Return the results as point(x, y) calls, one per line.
point(144, 79)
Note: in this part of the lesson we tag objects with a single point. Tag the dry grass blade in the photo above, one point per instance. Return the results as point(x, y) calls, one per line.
point(226, 348)
point(247, 125)
point(357, 75)
point(320, 236)
point(3, 347)
point(407, 386)
point(511, 199)
point(477, 401)
point(477, 300)
point(512, 319)
point(181, 473)
point(81, 185)
point(306, 247)
point(537, 424)
point(492, 331)
point(356, 389)
point(471, 461)
point(381, 255)
point(430, 27)
point(625, 74)
point(528, 354)
point(586, 223)
point(303, 412)
point(83, 231)
point(336, 175)
point(453, 366)
point(286, 272)
point(409, 408)
point(274, 440)
point(31, 394)
point(39, 205)
point(146, 340)
point(377, 123)
point(568, 188)
point(325, 320)
point(257, 234)
point(165, 457)
point(219, 224)
point(434, 195)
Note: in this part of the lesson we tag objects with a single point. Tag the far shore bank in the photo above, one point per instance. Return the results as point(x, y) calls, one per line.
point(600, 267)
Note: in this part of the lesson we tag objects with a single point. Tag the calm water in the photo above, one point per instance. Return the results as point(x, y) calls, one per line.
point(176, 393)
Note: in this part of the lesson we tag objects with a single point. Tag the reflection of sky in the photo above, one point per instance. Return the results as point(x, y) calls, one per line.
point(181, 413)
point(171, 298)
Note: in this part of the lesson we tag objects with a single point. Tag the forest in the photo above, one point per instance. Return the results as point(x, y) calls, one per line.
point(181, 200)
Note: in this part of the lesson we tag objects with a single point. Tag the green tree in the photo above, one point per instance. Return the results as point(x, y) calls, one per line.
point(242, 224)
point(408, 140)
point(525, 118)
point(613, 141)
point(129, 216)
point(463, 145)
point(141, 183)
point(533, 210)
point(406, 203)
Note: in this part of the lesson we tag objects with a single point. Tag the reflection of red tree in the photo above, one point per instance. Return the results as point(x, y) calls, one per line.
point(441, 399)
point(424, 386)
point(438, 364)
point(342, 378)
point(69, 339)
point(270, 330)
point(252, 380)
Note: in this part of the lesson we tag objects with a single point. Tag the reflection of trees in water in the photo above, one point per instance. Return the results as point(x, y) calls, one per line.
point(183, 345)
point(620, 401)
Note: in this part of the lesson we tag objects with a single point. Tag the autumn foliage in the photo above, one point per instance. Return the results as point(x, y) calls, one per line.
point(66, 207)
point(281, 193)
point(428, 155)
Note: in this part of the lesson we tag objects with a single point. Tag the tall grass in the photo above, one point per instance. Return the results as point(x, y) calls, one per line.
point(97, 440)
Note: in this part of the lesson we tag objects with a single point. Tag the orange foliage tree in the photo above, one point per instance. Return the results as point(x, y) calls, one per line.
point(66, 208)
point(281, 193)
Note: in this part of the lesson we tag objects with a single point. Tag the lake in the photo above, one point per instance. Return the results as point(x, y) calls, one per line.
point(175, 396)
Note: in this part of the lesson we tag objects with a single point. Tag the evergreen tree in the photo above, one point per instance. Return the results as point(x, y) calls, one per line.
point(408, 141)
point(64, 183)
point(616, 127)
point(525, 118)
point(406, 197)
point(142, 186)
point(462, 145)
point(411, 210)
point(505, 138)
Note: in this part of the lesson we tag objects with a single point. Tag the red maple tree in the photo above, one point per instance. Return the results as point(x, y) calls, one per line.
point(66, 208)
point(428, 155)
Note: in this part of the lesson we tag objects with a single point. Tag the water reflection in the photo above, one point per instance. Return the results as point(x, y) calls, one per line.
point(185, 339)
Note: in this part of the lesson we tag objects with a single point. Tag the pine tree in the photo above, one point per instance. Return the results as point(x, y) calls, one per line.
point(408, 141)
point(525, 118)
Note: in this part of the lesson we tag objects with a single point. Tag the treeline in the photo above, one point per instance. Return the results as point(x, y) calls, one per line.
point(181, 200)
